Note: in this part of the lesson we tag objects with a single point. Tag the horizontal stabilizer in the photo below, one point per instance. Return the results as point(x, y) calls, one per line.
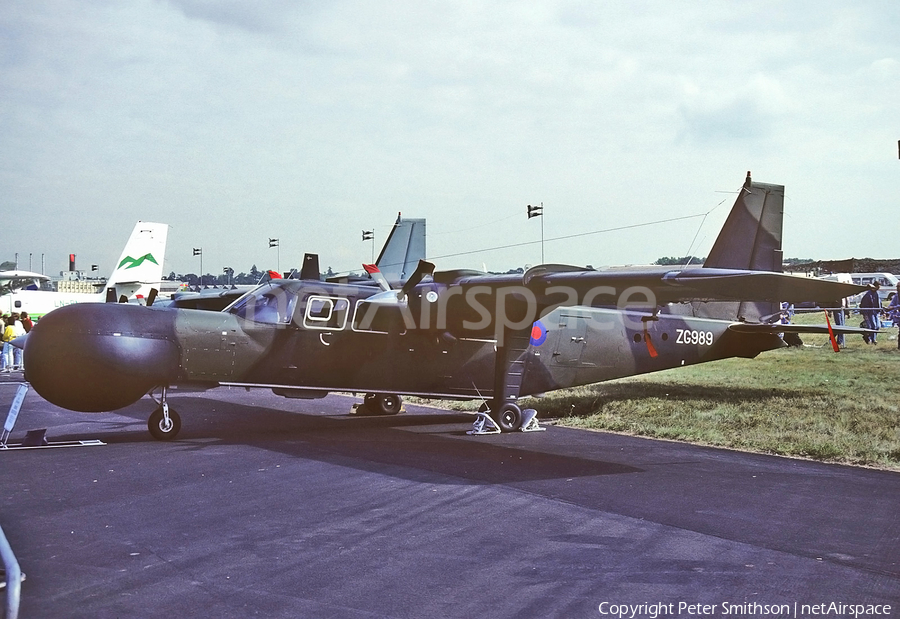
point(746, 327)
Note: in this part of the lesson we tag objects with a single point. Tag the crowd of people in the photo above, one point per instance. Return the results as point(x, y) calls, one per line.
point(875, 315)
point(14, 325)
point(872, 311)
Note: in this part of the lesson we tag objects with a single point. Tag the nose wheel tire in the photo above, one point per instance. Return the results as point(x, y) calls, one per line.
point(162, 429)
point(383, 403)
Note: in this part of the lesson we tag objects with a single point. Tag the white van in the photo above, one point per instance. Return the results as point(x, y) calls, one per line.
point(888, 283)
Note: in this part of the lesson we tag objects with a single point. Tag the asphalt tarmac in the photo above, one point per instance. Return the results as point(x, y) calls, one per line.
point(289, 508)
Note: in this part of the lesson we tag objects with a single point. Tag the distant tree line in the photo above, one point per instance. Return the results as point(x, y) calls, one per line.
point(671, 260)
point(253, 277)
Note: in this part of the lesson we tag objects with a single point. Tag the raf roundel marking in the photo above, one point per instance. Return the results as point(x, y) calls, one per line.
point(538, 333)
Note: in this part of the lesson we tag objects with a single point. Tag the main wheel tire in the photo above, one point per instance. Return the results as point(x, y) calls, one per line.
point(158, 427)
point(509, 417)
point(386, 404)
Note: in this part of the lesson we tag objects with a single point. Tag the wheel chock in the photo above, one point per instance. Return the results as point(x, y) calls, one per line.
point(530, 422)
point(484, 424)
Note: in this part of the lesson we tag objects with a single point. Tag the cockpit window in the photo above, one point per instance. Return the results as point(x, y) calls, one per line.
point(267, 304)
point(12, 284)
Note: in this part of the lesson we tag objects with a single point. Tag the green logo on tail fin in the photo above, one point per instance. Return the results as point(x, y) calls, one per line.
point(135, 262)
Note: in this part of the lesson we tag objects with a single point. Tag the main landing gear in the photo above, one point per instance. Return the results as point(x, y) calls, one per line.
point(509, 371)
point(508, 418)
point(164, 423)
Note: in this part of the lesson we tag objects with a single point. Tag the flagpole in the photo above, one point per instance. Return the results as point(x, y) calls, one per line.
point(538, 211)
point(369, 235)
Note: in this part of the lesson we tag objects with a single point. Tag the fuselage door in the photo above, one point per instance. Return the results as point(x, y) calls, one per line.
point(572, 339)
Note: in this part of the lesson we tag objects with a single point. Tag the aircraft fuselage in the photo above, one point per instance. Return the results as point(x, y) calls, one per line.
point(306, 339)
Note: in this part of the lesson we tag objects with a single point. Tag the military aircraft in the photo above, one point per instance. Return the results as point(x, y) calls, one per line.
point(138, 271)
point(445, 335)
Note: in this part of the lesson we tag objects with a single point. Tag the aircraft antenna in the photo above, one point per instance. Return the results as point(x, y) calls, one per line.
point(475, 387)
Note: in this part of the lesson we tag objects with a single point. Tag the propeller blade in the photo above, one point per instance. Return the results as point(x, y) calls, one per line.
point(378, 276)
point(422, 269)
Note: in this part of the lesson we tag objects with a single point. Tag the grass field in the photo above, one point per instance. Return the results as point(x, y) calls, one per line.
point(807, 402)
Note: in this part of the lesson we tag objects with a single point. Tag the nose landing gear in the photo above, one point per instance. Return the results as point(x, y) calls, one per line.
point(164, 423)
point(383, 403)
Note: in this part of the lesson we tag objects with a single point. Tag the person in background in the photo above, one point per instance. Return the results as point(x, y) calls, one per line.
point(27, 323)
point(9, 334)
point(894, 312)
point(870, 308)
point(18, 331)
point(839, 314)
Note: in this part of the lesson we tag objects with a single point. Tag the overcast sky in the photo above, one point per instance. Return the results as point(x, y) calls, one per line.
point(236, 121)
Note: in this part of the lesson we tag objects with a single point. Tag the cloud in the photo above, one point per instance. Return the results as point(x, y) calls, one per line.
point(749, 113)
point(233, 120)
point(261, 16)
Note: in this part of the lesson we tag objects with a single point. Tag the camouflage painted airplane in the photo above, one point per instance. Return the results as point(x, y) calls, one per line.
point(444, 335)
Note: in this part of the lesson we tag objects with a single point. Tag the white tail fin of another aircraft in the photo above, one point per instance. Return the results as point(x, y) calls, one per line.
point(140, 267)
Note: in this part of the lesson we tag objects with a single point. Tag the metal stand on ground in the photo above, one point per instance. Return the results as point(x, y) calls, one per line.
point(33, 438)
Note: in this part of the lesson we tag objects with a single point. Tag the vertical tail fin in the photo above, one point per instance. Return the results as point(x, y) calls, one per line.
point(140, 267)
point(749, 240)
point(404, 247)
point(751, 236)
point(310, 268)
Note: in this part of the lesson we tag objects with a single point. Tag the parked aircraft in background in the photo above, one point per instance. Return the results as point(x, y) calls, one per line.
point(404, 247)
point(138, 271)
point(11, 281)
point(446, 335)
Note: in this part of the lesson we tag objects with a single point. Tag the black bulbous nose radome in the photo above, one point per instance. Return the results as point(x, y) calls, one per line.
point(93, 357)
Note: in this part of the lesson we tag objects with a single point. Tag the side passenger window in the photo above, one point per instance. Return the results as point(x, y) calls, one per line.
point(326, 313)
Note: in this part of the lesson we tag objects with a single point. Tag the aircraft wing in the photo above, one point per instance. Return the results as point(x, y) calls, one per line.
point(698, 284)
